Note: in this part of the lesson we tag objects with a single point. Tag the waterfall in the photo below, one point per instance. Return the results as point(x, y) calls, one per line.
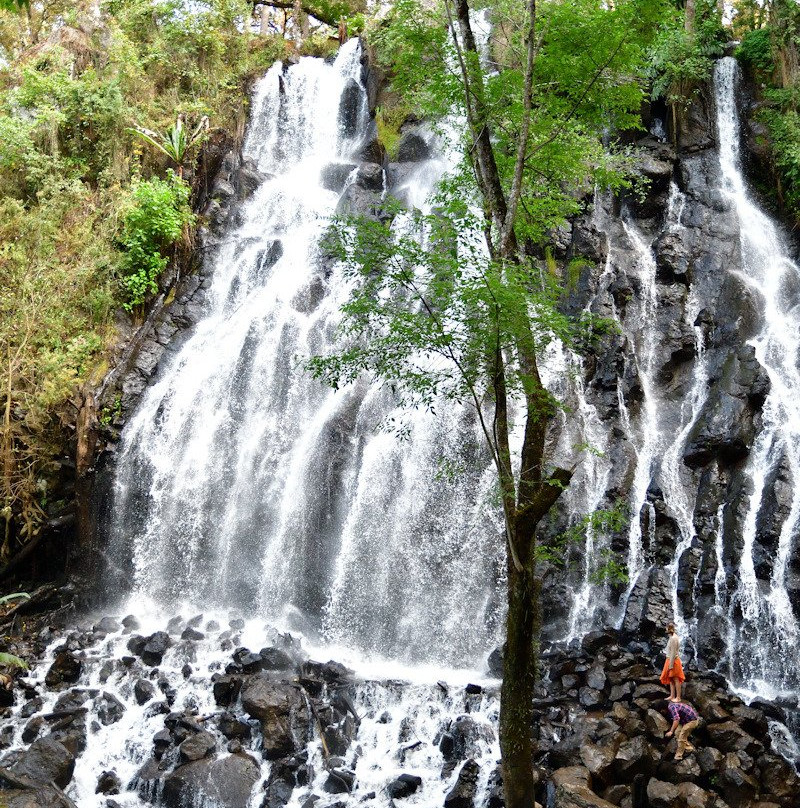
point(764, 631)
point(242, 483)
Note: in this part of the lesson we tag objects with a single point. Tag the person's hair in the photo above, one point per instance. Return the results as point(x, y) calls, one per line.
point(670, 626)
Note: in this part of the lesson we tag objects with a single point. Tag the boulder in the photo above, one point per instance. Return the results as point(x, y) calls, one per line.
point(197, 746)
point(596, 678)
point(154, 648)
point(730, 737)
point(340, 781)
point(225, 783)
point(462, 794)
point(46, 760)
point(661, 794)
point(109, 709)
point(635, 756)
point(738, 788)
point(572, 789)
point(599, 758)
point(108, 783)
point(143, 691)
point(693, 796)
point(281, 710)
point(403, 786)
point(656, 724)
point(590, 698)
point(226, 688)
point(66, 667)
point(413, 148)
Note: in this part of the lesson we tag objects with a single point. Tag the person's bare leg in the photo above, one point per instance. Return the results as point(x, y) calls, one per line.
point(677, 690)
point(672, 690)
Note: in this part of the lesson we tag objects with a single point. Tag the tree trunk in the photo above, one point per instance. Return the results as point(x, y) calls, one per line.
point(519, 678)
point(689, 16)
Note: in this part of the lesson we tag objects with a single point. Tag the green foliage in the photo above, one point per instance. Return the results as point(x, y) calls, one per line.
point(77, 232)
point(606, 566)
point(756, 49)
point(589, 78)
point(14, 596)
point(154, 223)
point(389, 119)
point(12, 661)
point(424, 320)
point(681, 60)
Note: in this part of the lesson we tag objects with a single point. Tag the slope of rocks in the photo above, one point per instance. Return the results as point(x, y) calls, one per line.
point(194, 718)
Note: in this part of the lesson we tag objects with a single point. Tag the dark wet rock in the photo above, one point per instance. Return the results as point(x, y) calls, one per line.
point(370, 177)
point(596, 678)
point(66, 667)
point(334, 176)
point(495, 662)
point(590, 698)
point(154, 648)
point(226, 688)
point(246, 660)
point(571, 789)
point(225, 782)
point(46, 760)
point(130, 622)
point(650, 604)
point(280, 785)
point(598, 758)
point(109, 709)
point(403, 786)
point(281, 710)
point(661, 794)
point(191, 633)
point(108, 783)
point(232, 727)
point(340, 781)
point(197, 746)
point(730, 737)
point(274, 659)
point(413, 148)
point(331, 672)
point(462, 794)
point(108, 625)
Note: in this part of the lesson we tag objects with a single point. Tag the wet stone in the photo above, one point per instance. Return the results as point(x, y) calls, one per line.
point(197, 746)
point(109, 709)
point(65, 668)
point(590, 698)
point(462, 794)
point(191, 633)
point(108, 783)
point(403, 786)
point(340, 781)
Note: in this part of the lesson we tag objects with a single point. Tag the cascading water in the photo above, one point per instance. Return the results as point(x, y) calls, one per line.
point(763, 639)
point(242, 483)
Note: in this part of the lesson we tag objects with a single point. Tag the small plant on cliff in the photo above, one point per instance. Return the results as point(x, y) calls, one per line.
point(177, 142)
point(154, 224)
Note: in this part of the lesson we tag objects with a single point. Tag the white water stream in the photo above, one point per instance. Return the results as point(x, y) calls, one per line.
point(242, 483)
point(761, 617)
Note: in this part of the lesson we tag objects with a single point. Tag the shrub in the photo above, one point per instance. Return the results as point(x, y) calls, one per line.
point(154, 223)
point(756, 49)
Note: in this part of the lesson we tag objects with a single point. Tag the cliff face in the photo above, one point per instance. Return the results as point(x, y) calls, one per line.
point(684, 405)
point(689, 405)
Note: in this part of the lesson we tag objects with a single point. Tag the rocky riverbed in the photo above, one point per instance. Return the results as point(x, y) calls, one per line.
point(205, 712)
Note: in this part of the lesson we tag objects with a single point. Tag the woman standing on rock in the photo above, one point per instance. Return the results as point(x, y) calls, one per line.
point(672, 674)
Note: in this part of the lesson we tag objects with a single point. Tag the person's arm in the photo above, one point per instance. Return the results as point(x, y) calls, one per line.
point(672, 729)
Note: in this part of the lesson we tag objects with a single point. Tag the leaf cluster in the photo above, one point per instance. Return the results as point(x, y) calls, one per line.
point(156, 220)
point(429, 309)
